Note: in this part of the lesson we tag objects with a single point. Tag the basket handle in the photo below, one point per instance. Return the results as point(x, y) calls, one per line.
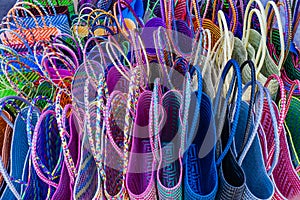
point(110, 29)
point(184, 111)
point(198, 103)
point(55, 51)
point(49, 2)
point(19, 5)
point(61, 116)
point(77, 24)
point(29, 116)
point(282, 97)
point(111, 97)
point(9, 100)
point(128, 6)
point(296, 83)
point(269, 6)
point(43, 7)
point(101, 12)
point(3, 171)
point(7, 74)
point(234, 10)
point(93, 39)
point(9, 183)
point(224, 31)
point(41, 65)
point(4, 30)
point(140, 51)
point(59, 37)
point(204, 43)
point(282, 114)
point(61, 57)
point(248, 139)
point(34, 155)
point(90, 5)
point(102, 95)
point(109, 47)
point(156, 113)
point(160, 37)
point(238, 79)
point(296, 18)
point(271, 167)
point(261, 53)
point(74, 60)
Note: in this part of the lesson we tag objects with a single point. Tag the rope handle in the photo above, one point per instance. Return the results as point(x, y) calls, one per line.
point(282, 113)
